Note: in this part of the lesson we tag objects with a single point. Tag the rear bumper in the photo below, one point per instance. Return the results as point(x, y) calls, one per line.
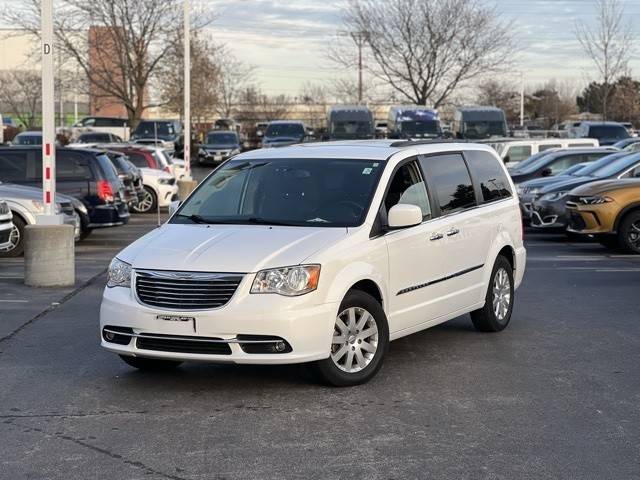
point(108, 215)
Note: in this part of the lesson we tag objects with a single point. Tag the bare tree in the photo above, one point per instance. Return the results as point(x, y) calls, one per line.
point(204, 77)
point(425, 49)
point(118, 44)
point(501, 94)
point(21, 92)
point(608, 44)
point(256, 106)
point(315, 98)
point(233, 78)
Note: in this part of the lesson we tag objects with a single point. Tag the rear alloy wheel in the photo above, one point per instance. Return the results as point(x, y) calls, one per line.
point(148, 203)
point(359, 343)
point(16, 239)
point(629, 233)
point(496, 313)
point(149, 364)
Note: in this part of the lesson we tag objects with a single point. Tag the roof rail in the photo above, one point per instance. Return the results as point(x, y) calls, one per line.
point(408, 143)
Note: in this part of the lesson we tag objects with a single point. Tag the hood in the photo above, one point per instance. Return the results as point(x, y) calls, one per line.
point(567, 183)
point(288, 139)
point(9, 190)
point(227, 248)
point(540, 183)
point(595, 188)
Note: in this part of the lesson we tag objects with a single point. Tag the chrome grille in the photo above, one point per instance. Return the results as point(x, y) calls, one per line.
point(185, 290)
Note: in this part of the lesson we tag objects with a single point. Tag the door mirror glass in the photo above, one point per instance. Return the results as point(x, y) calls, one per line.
point(173, 207)
point(404, 215)
point(547, 172)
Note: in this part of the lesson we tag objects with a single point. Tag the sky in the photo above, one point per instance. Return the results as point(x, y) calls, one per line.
point(286, 40)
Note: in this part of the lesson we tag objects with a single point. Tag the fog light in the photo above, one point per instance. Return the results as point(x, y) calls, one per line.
point(279, 347)
point(109, 337)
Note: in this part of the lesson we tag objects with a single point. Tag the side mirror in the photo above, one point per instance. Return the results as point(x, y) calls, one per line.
point(547, 172)
point(173, 207)
point(404, 215)
point(506, 159)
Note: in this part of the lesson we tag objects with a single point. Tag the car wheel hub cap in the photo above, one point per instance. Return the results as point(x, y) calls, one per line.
point(501, 294)
point(634, 234)
point(355, 340)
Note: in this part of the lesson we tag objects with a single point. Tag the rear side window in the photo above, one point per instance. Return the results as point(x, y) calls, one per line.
point(450, 178)
point(13, 166)
point(71, 166)
point(517, 153)
point(561, 164)
point(542, 148)
point(138, 159)
point(489, 176)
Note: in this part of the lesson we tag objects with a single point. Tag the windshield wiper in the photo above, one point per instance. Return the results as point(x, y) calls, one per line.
point(196, 218)
point(266, 221)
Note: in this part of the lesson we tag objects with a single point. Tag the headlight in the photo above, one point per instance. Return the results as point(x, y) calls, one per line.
point(202, 151)
point(288, 281)
point(165, 181)
point(595, 200)
point(235, 151)
point(119, 274)
point(552, 197)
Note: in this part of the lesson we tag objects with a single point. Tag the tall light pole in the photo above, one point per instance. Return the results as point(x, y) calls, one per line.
point(359, 38)
point(186, 184)
point(187, 89)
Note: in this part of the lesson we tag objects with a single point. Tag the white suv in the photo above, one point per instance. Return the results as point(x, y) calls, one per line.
point(320, 253)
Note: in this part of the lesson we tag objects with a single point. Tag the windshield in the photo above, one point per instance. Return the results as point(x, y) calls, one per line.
point(149, 129)
point(285, 130)
point(288, 191)
point(222, 138)
point(28, 140)
point(351, 130)
point(483, 129)
point(616, 164)
point(608, 131)
point(94, 138)
point(417, 129)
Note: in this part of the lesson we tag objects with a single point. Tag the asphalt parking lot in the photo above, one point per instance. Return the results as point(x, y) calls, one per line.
point(556, 395)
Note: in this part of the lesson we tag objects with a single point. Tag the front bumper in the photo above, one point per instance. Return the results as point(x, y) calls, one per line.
point(549, 215)
point(5, 232)
point(303, 324)
point(167, 194)
point(587, 219)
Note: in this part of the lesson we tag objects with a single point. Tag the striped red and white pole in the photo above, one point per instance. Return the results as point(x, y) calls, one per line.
point(48, 103)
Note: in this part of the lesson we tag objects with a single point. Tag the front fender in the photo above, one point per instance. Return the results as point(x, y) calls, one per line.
point(352, 273)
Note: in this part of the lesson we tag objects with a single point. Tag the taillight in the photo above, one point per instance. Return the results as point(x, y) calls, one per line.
point(105, 191)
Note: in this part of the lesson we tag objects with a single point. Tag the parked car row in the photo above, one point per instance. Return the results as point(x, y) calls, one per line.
point(98, 185)
point(594, 192)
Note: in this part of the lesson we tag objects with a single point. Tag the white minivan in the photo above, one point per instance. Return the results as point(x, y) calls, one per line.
point(320, 253)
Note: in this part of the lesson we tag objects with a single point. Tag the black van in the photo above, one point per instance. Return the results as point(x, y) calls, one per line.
point(85, 174)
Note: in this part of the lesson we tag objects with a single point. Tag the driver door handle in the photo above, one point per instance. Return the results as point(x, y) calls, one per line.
point(436, 236)
point(452, 232)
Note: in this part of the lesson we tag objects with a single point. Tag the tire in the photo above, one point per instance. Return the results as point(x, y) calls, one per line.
point(17, 239)
point(150, 364)
point(496, 313)
point(85, 231)
point(629, 232)
point(149, 203)
point(350, 362)
point(608, 241)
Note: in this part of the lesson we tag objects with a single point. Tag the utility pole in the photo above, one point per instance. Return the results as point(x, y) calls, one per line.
point(522, 99)
point(360, 38)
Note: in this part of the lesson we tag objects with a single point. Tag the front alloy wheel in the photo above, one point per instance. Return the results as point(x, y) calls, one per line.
point(359, 342)
point(148, 202)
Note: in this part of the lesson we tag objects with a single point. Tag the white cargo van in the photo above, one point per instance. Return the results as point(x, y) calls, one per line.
point(513, 152)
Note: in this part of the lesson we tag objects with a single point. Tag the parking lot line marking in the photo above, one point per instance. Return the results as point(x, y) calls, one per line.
point(14, 301)
point(12, 277)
